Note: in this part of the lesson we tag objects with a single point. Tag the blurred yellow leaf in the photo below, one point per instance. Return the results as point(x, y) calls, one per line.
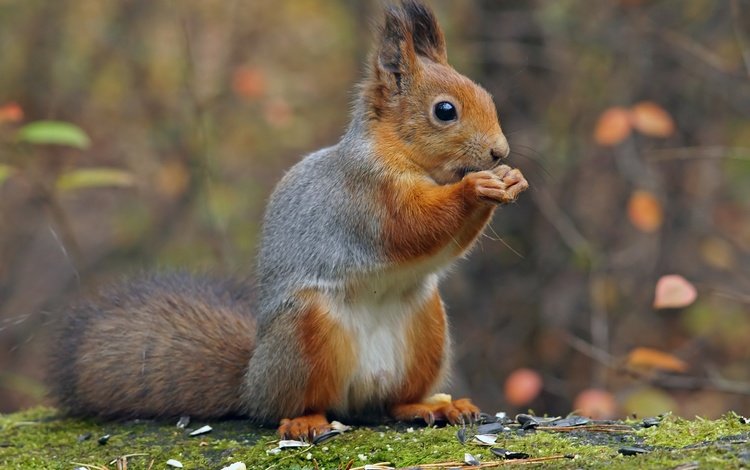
point(649, 402)
point(172, 179)
point(613, 126)
point(645, 211)
point(651, 359)
point(11, 112)
point(651, 119)
point(718, 253)
point(94, 178)
point(5, 172)
point(604, 292)
point(674, 291)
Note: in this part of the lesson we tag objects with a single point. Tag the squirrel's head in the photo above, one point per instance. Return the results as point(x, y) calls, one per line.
point(418, 106)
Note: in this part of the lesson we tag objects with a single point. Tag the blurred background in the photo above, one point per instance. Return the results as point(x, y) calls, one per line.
point(148, 134)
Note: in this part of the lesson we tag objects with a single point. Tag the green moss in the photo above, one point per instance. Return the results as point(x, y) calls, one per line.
point(38, 438)
point(678, 432)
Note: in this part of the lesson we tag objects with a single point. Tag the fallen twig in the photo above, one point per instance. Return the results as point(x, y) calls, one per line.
point(494, 463)
point(589, 428)
point(742, 37)
point(90, 465)
point(377, 465)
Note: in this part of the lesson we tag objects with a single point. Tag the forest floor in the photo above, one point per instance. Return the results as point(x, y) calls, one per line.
point(40, 439)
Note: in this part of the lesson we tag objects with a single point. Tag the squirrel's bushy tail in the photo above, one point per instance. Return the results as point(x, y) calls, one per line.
point(158, 346)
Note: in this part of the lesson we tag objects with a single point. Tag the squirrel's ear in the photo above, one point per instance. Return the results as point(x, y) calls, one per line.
point(428, 37)
point(396, 58)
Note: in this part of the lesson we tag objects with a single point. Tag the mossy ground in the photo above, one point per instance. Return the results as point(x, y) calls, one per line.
point(40, 439)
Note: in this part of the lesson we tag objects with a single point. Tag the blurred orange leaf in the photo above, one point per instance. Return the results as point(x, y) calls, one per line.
point(674, 291)
point(11, 112)
point(522, 386)
point(277, 113)
point(172, 179)
point(718, 253)
point(645, 211)
point(651, 119)
point(613, 126)
point(595, 403)
point(648, 358)
point(248, 82)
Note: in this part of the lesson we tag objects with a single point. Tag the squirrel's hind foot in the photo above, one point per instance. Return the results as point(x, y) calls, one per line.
point(454, 412)
point(304, 428)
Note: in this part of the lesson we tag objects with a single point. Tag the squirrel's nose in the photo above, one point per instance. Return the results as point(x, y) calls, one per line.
point(501, 149)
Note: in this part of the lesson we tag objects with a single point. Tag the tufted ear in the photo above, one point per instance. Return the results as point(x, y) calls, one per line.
point(396, 58)
point(408, 34)
point(426, 33)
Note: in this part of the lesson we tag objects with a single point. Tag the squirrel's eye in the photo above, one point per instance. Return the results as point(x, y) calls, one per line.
point(445, 111)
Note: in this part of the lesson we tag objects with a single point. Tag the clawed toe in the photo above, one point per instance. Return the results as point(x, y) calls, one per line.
point(304, 428)
point(458, 412)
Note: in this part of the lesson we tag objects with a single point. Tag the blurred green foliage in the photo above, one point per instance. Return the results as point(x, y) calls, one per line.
point(53, 132)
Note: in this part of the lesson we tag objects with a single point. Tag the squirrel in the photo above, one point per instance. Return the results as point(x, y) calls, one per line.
point(348, 321)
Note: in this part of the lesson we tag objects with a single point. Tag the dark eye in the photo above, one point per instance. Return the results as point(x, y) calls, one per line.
point(445, 111)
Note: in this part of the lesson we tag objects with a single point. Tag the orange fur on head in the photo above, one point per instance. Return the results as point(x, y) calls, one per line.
point(408, 76)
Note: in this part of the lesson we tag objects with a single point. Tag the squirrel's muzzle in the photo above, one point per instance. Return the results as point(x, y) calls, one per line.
point(501, 149)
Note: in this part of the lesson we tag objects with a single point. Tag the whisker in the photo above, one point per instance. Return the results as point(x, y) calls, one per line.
point(536, 162)
point(532, 174)
point(528, 150)
point(500, 239)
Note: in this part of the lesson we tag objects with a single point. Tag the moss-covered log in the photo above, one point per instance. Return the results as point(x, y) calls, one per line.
point(39, 438)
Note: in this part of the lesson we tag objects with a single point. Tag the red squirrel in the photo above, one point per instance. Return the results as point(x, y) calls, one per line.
point(349, 320)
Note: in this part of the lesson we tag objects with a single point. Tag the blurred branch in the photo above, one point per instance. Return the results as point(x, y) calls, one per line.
point(692, 47)
point(201, 148)
point(702, 60)
point(588, 349)
point(735, 296)
point(599, 318)
point(742, 40)
point(569, 234)
point(714, 383)
point(68, 242)
point(599, 325)
point(699, 153)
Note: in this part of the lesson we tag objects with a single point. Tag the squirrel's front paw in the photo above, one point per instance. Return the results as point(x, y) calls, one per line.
point(501, 185)
point(304, 428)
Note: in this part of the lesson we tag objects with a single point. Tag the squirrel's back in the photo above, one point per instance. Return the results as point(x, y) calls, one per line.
point(322, 224)
point(161, 345)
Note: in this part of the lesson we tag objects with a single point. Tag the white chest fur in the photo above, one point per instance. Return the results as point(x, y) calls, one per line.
point(378, 324)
